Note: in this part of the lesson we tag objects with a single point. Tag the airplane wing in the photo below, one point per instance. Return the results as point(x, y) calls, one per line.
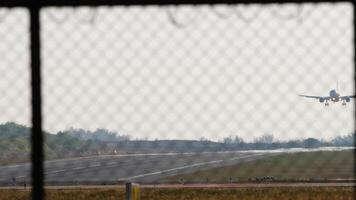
point(314, 97)
point(348, 97)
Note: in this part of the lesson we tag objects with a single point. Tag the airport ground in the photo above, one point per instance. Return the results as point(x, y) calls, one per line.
point(304, 175)
point(303, 167)
point(113, 169)
point(217, 167)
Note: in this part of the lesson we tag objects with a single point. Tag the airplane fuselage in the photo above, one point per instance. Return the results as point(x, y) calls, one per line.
point(334, 96)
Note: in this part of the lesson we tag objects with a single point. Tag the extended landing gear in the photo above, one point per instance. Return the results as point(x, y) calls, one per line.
point(326, 103)
point(343, 103)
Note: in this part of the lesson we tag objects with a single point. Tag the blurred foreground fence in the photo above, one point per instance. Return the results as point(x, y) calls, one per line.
point(160, 92)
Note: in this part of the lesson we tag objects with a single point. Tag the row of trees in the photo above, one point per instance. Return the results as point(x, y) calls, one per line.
point(267, 141)
point(14, 143)
point(97, 135)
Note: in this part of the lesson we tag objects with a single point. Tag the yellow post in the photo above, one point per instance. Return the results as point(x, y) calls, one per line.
point(136, 192)
point(133, 191)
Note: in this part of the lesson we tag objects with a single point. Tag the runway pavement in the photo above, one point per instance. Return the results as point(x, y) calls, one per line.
point(145, 168)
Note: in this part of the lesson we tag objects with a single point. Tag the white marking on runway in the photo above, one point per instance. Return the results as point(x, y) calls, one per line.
point(185, 167)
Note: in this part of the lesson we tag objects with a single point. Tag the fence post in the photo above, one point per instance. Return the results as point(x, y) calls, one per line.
point(133, 191)
point(128, 191)
point(36, 131)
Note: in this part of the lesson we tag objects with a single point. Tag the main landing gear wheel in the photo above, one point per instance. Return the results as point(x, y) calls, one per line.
point(344, 103)
point(326, 104)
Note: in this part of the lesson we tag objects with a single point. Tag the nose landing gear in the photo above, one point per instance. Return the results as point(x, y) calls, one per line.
point(343, 103)
point(326, 103)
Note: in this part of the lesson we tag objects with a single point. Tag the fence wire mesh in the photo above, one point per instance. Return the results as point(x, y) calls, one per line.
point(14, 92)
point(187, 94)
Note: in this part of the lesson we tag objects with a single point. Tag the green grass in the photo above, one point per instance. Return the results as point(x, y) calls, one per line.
point(296, 166)
point(317, 193)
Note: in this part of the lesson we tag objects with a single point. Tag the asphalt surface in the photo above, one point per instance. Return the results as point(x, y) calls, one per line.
point(145, 168)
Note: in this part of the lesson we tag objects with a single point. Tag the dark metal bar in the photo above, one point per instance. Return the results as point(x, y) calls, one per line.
point(15, 3)
point(128, 188)
point(37, 135)
point(46, 3)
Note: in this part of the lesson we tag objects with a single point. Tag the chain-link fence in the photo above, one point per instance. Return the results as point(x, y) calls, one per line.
point(15, 92)
point(184, 94)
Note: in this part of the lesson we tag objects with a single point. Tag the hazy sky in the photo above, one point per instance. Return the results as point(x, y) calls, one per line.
point(185, 73)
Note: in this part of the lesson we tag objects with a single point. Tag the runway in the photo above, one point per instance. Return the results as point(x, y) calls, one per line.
point(109, 169)
point(143, 168)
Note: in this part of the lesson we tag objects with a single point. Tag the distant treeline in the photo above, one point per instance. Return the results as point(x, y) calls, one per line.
point(15, 143)
point(267, 142)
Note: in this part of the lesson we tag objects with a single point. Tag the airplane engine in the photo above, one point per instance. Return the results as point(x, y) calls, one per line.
point(347, 99)
point(321, 100)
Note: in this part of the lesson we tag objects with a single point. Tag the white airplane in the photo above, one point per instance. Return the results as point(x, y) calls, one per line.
point(333, 97)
